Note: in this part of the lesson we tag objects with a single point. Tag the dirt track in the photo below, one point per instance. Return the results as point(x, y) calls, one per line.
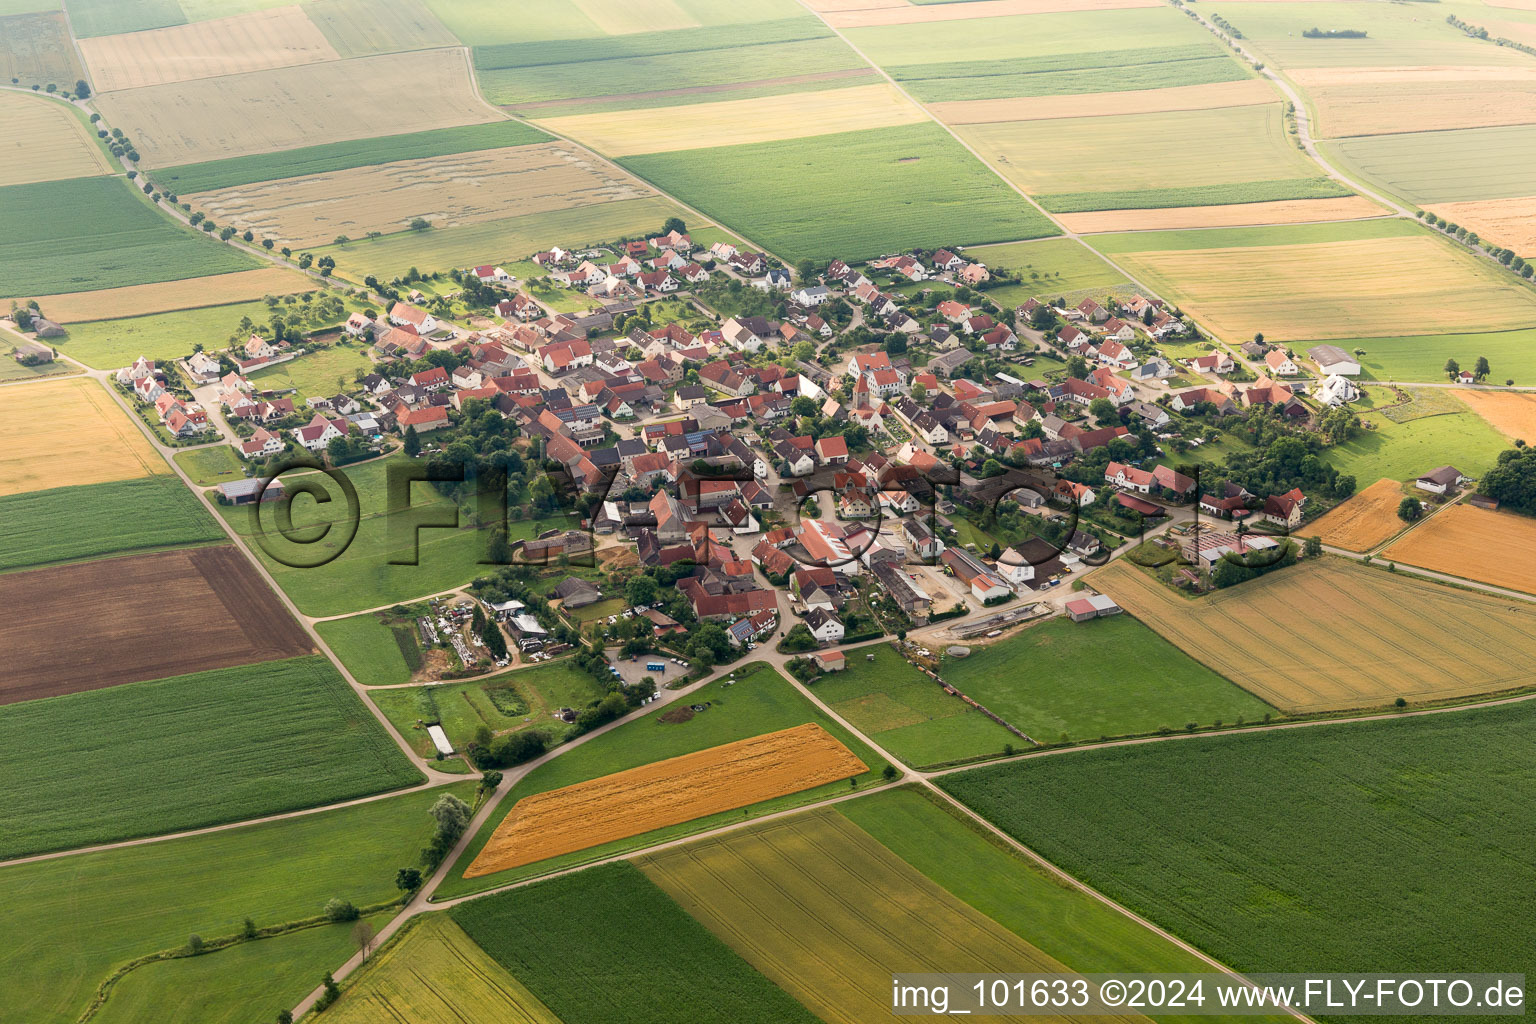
point(120, 620)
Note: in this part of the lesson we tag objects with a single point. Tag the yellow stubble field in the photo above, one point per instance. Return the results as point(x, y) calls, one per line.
point(168, 296)
point(1364, 522)
point(1498, 548)
point(69, 432)
point(1510, 222)
point(1387, 100)
point(1282, 211)
point(1511, 413)
point(448, 191)
point(42, 140)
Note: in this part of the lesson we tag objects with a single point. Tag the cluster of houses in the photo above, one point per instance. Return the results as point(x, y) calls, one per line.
point(182, 418)
point(650, 267)
point(1335, 369)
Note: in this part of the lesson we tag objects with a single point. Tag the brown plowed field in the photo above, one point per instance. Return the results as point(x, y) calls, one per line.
point(120, 620)
point(665, 793)
point(1498, 548)
point(1366, 520)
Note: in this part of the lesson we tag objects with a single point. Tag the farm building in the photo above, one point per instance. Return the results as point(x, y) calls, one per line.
point(1331, 359)
point(1440, 481)
point(575, 592)
point(244, 492)
point(985, 584)
point(830, 661)
point(440, 740)
point(911, 598)
point(1092, 607)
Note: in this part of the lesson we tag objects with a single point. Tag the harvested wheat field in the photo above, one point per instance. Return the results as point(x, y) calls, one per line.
point(1389, 109)
point(96, 624)
point(266, 111)
point(1497, 548)
point(43, 140)
point(69, 432)
point(1330, 635)
point(1512, 413)
point(867, 15)
point(169, 296)
point(1283, 211)
point(276, 38)
point(736, 122)
point(449, 191)
point(1364, 522)
point(1241, 93)
point(1509, 222)
point(665, 793)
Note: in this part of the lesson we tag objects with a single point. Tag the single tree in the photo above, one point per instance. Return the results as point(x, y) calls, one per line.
point(1481, 370)
point(890, 773)
point(408, 879)
point(1313, 546)
point(412, 441)
point(1409, 510)
point(363, 936)
point(1452, 368)
point(82, 89)
point(284, 1017)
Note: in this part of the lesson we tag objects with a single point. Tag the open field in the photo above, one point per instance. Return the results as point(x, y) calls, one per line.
point(69, 433)
point(1237, 93)
point(221, 988)
point(1108, 677)
point(1285, 635)
point(279, 37)
point(1474, 544)
point(315, 373)
point(35, 48)
point(1048, 267)
point(760, 701)
point(824, 911)
point(557, 936)
point(143, 299)
point(1071, 155)
point(109, 17)
point(1511, 413)
point(44, 140)
point(112, 617)
point(830, 195)
point(1336, 289)
point(909, 714)
point(563, 26)
point(1001, 36)
point(1444, 166)
point(86, 913)
point(740, 122)
point(435, 974)
point(360, 28)
point(1509, 222)
point(210, 466)
point(1403, 450)
point(1390, 100)
point(501, 241)
point(65, 523)
point(1364, 522)
point(339, 156)
point(367, 647)
point(193, 750)
point(447, 191)
point(863, 15)
point(83, 234)
point(1282, 211)
point(1422, 357)
point(665, 793)
point(1082, 75)
point(1373, 814)
point(361, 98)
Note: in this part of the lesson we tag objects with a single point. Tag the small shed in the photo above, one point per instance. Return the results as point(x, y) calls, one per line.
point(1092, 607)
point(440, 740)
point(831, 661)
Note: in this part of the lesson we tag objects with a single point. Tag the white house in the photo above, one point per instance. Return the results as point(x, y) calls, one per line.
point(826, 627)
point(1280, 364)
point(812, 296)
point(1337, 390)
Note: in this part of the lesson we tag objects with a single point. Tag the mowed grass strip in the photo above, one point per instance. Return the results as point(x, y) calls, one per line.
point(665, 793)
point(189, 751)
point(45, 140)
point(69, 433)
point(1370, 813)
point(83, 234)
point(826, 912)
point(657, 964)
point(169, 296)
point(760, 701)
point(909, 714)
point(339, 156)
point(86, 913)
point(435, 972)
point(62, 524)
point(1083, 680)
point(1474, 544)
point(833, 194)
point(1286, 635)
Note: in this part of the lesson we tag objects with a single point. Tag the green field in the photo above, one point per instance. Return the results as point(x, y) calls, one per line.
point(500, 241)
point(210, 466)
point(1195, 195)
point(335, 156)
point(1061, 158)
point(1404, 451)
point(180, 753)
point(435, 972)
point(81, 234)
point(906, 712)
point(361, 28)
point(497, 22)
point(1265, 235)
point(362, 576)
point(835, 195)
point(1509, 353)
point(1390, 842)
point(83, 914)
point(367, 647)
point(11, 370)
point(1069, 74)
point(1048, 268)
point(762, 701)
point(464, 707)
point(68, 523)
point(163, 337)
point(1107, 677)
point(1444, 166)
point(1023, 36)
point(109, 17)
point(319, 373)
point(221, 987)
point(657, 964)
